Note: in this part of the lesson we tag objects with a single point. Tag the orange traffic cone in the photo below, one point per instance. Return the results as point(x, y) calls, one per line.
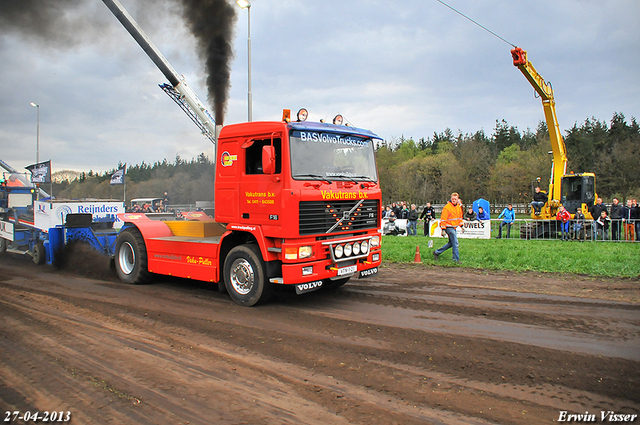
point(417, 259)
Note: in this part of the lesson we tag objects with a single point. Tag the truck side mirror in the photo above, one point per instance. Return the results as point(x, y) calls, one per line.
point(268, 159)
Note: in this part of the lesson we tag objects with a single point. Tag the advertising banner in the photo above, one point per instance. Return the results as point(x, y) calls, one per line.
point(472, 229)
point(50, 214)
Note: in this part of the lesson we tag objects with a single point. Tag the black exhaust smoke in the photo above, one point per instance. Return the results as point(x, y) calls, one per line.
point(212, 23)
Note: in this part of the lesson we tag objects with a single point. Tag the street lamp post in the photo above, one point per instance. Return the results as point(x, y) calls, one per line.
point(245, 4)
point(35, 105)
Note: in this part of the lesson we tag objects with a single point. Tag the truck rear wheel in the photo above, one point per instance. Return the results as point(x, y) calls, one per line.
point(245, 277)
point(39, 253)
point(3, 245)
point(131, 257)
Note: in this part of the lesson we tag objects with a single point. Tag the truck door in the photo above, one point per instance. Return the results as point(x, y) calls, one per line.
point(260, 193)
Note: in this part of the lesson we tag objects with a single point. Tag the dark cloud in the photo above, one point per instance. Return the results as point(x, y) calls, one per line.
point(68, 23)
point(58, 24)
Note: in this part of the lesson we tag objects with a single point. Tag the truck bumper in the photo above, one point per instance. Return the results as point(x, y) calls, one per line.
point(326, 269)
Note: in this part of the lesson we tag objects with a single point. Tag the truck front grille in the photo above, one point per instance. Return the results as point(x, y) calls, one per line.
point(322, 217)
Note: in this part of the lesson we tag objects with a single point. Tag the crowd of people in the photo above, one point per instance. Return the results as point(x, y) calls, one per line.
point(616, 222)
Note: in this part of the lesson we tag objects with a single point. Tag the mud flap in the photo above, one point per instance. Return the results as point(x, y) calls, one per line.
point(368, 273)
point(303, 288)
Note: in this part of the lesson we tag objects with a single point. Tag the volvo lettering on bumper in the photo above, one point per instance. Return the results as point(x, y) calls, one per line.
point(367, 273)
point(301, 288)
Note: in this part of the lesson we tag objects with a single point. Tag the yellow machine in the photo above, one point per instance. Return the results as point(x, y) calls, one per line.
point(573, 191)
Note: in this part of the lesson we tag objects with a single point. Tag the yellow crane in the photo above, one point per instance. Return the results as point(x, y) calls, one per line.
point(571, 190)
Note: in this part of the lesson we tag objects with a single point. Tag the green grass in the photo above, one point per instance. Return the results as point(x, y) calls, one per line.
point(601, 259)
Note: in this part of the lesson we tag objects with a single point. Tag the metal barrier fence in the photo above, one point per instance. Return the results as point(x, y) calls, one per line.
point(616, 231)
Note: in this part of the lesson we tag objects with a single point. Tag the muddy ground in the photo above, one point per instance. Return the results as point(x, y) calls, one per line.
point(414, 345)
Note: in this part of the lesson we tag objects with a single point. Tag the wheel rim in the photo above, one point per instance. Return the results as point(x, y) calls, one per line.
point(242, 276)
point(126, 258)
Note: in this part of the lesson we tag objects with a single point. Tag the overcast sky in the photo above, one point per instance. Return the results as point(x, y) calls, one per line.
point(399, 68)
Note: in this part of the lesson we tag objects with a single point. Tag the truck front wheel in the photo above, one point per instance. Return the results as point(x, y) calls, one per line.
point(131, 257)
point(245, 277)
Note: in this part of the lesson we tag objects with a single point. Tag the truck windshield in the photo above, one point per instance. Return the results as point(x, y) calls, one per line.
point(332, 156)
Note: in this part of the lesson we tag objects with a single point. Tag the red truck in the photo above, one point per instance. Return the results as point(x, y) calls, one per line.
point(296, 203)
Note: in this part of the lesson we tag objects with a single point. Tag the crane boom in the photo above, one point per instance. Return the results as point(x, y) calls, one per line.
point(187, 97)
point(545, 91)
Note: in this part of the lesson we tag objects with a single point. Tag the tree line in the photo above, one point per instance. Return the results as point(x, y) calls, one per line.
point(185, 181)
point(500, 167)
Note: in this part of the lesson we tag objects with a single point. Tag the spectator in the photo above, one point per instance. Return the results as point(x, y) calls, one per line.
point(616, 219)
point(470, 215)
point(428, 214)
point(482, 214)
point(595, 211)
point(387, 212)
point(412, 218)
point(578, 225)
point(627, 218)
point(165, 202)
point(508, 217)
point(404, 212)
point(396, 209)
point(564, 217)
point(539, 199)
point(602, 225)
point(450, 220)
point(597, 208)
point(636, 218)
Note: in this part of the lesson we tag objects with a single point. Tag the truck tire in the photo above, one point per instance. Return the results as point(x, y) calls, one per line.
point(131, 257)
point(39, 253)
point(3, 245)
point(245, 277)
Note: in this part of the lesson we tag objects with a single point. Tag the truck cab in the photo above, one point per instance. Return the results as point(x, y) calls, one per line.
point(296, 203)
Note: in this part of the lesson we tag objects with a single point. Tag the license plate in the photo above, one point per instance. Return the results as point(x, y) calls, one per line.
point(348, 270)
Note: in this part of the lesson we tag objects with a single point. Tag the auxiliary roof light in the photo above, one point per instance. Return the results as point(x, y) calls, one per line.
point(337, 120)
point(302, 115)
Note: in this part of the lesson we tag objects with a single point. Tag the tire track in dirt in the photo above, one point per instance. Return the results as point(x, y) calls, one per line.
point(178, 351)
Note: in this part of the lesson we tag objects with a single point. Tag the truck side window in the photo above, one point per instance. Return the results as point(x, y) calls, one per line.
point(253, 155)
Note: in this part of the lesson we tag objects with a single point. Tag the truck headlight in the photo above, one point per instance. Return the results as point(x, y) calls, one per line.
point(338, 251)
point(356, 248)
point(305, 252)
point(348, 249)
point(375, 241)
point(364, 247)
point(293, 253)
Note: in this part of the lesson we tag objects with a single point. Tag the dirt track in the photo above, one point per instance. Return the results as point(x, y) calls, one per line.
point(414, 345)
